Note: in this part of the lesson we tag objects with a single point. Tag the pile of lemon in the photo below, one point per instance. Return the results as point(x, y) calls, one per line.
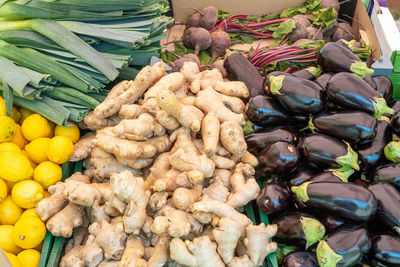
point(31, 151)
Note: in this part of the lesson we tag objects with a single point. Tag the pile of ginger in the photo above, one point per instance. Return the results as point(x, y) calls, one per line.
point(165, 179)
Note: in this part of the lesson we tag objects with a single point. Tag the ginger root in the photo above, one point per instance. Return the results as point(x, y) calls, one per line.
point(171, 82)
point(134, 251)
point(210, 133)
point(83, 147)
point(130, 111)
point(183, 198)
point(236, 89)
point(138, 129)
point(64, 222)
point(232, 138)
point(243, 191)
point(227, 235)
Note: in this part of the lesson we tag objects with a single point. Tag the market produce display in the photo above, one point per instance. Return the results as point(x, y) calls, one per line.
point(56, 57)
point(31, 149)
point(163, 177)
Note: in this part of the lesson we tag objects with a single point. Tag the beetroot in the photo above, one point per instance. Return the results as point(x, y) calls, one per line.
point(303, 20)
point(343, 31)
point(314, 33)
point(200, 39)
point(178, 64)
point(192, 57)
point(194, 20)
point(327, 3)
point(209, 17)
point(299, 33)
point(187, 38)
point(220, 43)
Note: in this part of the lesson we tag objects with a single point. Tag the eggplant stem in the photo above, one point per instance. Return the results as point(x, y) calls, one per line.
point(313, 230)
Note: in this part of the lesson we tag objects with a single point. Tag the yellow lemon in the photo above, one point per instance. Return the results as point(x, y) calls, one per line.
point(3, 109)
point(27, 194)
point(60, 149)
point(33, 164)
point(72, 132)
point(29, 258)
point(35, 126)
point(29, 232)
point(47, 173)
point(14, 167)
point(15, 115)
point(29, 212)
point(13, 259)
point(3, 190)
point(37, 149)
point(9, 147)
point(8, 129)
point(18, 138)
point(6, 240)
point(9, 210)
point(25, 113)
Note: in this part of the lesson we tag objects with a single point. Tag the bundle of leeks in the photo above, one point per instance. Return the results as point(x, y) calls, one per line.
point(57, 56)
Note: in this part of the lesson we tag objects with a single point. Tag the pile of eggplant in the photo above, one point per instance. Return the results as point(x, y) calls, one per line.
point(330, 163)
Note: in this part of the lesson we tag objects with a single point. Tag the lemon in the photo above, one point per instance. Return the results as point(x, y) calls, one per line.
point(60, 149)
point(27, 194)
point(33, 164)
point(3, 190)
point(3, 109)
point(25, 113)
point(6, 240)
point(9, 210)
point(18, 138)
point(29, 258)
point(29, 232)
point(47, 173)
point(35, 126)
point(9, 147)
point(15, 115)
point(14, 167)
point(8, 128)
point(29, 212)
point(13, 259)
point(72, 132)
point(37, 149)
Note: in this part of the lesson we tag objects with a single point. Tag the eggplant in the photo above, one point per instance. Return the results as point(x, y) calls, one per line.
point(386, 250)
point(343, 200)
point(356, 126)
point(384, 87)
point(336, 57)
point(372, 154)
point(389, 174)
point(310, 73)
point(396, 106)
point(323, 80)
point(284, 250)
point(344, 247)
point(300, 258)
point(274, 198)
point(327, 176)
point(322, 151)
point(300, 229)
point(266, 111)
point(301, 175)
point(259, 140)
point(331, 223)
point(395, 123)
point(267, 81)
point(368, 79)
point(299, 96)
point(388, 205)
point(279, 158)
point(350, 91)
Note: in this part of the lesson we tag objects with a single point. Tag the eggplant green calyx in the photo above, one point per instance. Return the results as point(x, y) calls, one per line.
point(349, 160)
point(381, 107)
point(326, 256)
point(343, 173)
point(313, 230)
point(311, 125)
point(361, 69)
point(392, 151)
point(397, 229)
point(248, 128)
point(301, 191)
point(276, 84)
point(316, 72)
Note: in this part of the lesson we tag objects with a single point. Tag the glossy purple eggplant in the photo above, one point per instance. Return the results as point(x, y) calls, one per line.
point(384, 87)
point(323, 80)
point(372, 154)
point(353, 126)
point(327, 176)
point(274, 198)
point(300, 258)
point(262, 110)
point(389, 174)
point(259, 140)
point(298, 96)
point(396, 106)
point(370, 80)
point(301, 175)
point(336, 57)
point(344, 247)
point(388, 205)
point(386, 250)
point(322, 151)
point(267, 81)
point(349, 91)
point(343, 200)
point(331, 223)
point(310, 73)
point(279, 158)
point(299, 229)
